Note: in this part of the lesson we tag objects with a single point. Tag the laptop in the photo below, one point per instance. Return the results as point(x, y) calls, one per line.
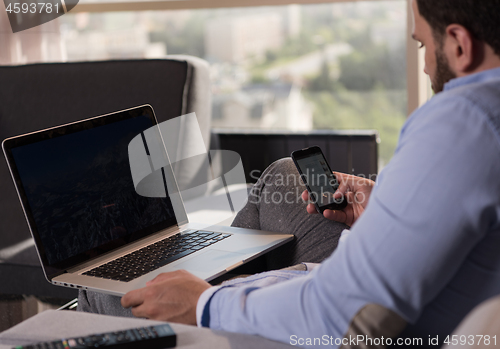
point(91, 228)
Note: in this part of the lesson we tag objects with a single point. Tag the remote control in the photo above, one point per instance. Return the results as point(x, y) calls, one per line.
point(152, 337)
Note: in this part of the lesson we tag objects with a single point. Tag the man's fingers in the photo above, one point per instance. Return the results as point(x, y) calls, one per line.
point(311, 209)
point(338, 194)
point(147, 311)
point(305, 195)
point(163, 277)
point(133, 298)
point(139, 312)
point(172, 299)
point(334, 215)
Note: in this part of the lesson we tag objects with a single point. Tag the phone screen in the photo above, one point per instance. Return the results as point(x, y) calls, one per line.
point(318, 177)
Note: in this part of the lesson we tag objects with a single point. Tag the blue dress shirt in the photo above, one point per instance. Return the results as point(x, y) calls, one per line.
point(427, 247)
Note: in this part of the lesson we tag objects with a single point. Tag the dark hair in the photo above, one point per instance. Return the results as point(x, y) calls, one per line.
point(480, 17)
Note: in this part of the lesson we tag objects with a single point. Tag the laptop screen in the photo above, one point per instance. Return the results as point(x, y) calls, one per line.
point(79, 189)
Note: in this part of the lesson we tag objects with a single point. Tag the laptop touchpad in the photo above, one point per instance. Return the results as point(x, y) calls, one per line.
point(211, 260)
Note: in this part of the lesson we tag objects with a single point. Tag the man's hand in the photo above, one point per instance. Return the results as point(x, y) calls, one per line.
point(168, 297)
point(355, 189)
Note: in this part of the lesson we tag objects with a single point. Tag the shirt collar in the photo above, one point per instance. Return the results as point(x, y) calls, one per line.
point(483, 76)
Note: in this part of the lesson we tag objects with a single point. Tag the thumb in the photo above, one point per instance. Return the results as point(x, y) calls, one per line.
point(343, 182)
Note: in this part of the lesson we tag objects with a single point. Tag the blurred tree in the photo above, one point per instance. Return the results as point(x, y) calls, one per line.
point(370, 64)
point(346, 109)
point(324, 81)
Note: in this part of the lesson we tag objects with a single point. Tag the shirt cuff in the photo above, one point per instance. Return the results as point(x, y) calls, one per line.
point(203, 302)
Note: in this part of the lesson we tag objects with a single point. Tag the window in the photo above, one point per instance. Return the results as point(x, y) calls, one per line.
point(341, 65)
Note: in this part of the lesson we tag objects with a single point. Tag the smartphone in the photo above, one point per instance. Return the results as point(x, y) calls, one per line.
point(318, 178)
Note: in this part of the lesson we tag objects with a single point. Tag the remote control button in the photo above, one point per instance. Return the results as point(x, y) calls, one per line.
point(95, 340)
point(154, 334)
point(148, 332)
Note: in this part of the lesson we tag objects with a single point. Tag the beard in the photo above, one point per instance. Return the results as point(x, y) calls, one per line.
point(443, 72)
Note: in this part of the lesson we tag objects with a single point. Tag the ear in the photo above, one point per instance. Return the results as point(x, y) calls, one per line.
point(460, 49)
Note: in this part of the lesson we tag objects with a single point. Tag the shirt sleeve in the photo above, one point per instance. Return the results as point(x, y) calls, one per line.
point(431, 206)
point(203, 302)
point(256, 281)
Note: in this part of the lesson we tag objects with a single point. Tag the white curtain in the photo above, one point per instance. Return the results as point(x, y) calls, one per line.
point(38, 44)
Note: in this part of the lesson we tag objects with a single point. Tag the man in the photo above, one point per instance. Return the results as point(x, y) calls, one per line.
point(421, 253)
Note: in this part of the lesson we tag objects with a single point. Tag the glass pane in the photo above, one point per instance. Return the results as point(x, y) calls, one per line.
point(295, 67)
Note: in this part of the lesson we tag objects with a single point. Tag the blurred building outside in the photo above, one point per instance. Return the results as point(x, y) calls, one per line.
point(263, 106)
point(292, 67)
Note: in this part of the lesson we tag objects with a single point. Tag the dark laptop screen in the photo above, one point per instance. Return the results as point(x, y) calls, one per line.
point(80, 191)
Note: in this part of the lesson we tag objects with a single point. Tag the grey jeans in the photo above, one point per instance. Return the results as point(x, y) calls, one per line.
point(274, 204)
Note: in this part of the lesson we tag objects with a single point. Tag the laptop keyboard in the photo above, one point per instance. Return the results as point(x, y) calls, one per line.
point(157, 255)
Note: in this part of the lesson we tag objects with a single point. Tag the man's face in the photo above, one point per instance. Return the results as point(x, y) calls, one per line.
point(436, 63)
